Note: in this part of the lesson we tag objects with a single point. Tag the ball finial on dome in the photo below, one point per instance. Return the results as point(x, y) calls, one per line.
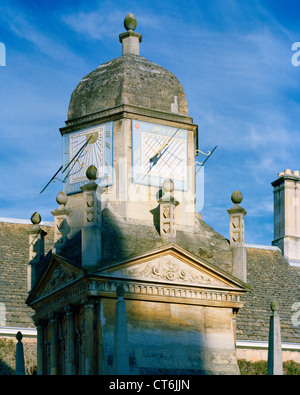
point(236, 197)
point(130, 22)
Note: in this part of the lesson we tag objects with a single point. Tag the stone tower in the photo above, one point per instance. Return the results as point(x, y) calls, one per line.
point(131, 116)
point(287, 215)
point(136, 281)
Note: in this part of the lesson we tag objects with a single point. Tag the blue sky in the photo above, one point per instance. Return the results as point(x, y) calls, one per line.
point(232, 57)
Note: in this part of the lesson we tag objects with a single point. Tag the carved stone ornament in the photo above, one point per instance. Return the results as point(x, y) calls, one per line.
point(61, 276)
point(168, 269)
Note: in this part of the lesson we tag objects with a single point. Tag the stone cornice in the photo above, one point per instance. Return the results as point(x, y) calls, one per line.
point(102, 287)
point(124, 111)
point(166, 275)
point(283, 178)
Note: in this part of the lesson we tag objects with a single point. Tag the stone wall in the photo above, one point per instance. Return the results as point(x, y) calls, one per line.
point(191, 339)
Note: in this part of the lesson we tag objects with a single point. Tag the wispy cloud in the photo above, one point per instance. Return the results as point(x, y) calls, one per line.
point(95, 24)
point(27, 27)
point(232, 57)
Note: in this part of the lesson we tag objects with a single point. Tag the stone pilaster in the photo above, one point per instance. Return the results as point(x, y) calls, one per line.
point(121, 355)
point(167, 209)
point(89, 362)
point(36, 249)
point(101, 368)
point(91, 230)
point(61, 227)
point(40, 326)
point(237, 236)
point(79, 346)
point(71, 340)
point(54, 346)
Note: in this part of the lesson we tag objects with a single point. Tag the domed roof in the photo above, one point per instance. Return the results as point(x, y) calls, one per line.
point(132, 80)
point(129, 79)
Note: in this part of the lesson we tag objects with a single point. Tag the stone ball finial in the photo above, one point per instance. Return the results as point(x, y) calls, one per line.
point(91, 172)
point(62, 198)
point(19, 336)
point(35, 218)
point(130, 22)
point(120, 291)
point(236, 197)
point(274, 305)
point(168, 185)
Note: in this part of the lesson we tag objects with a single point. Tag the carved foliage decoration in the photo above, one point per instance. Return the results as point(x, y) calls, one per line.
point(170, 269)
point(61, 276)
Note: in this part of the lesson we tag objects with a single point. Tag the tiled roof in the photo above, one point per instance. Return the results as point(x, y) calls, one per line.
point(270, 278)
point(14, 250)
point(268, 273)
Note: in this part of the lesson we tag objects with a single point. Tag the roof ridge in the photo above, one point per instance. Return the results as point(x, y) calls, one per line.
point(23, 221)
point(263, 247)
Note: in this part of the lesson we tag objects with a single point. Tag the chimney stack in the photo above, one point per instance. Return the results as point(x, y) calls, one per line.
point(287, 215)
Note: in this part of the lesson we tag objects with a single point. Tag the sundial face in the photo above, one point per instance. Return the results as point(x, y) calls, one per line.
point(159, 152)
point(91, 146)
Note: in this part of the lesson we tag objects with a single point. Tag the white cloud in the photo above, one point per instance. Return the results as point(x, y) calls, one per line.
point(95, 24)
point(232, 57)
point(26, 27)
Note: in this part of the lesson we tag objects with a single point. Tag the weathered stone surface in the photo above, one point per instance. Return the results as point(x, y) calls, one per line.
point(172, 338)
point(275, 366)
point(132, 238)
point(129, 79)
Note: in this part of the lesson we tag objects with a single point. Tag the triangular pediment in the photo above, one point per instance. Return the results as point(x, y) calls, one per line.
point(173, 265)
point(58, 274)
